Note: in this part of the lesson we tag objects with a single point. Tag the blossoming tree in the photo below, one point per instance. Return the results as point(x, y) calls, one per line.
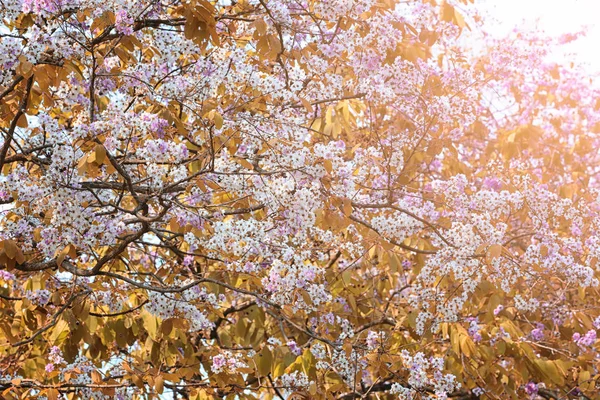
point(334, 199)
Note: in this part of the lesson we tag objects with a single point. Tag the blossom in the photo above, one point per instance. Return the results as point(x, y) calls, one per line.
point(531, 389)
point(6, 276)
point(587, 340)
point(294, 348)
point(537, 334)
point(123, 22)
point(218, 363)
point(474, 329)
point(373, 339)
point(227, 361)
point(492, 183)
point(56, 355)
point(274, 341)
point(41, 297)
point(188, 261)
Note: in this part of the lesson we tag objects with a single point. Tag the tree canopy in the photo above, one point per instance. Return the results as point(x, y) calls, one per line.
point(283, 199)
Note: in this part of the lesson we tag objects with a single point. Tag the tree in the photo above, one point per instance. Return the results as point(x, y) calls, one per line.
point(285, 199)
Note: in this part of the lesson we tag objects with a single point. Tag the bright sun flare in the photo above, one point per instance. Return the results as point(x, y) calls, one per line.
point(555, 18)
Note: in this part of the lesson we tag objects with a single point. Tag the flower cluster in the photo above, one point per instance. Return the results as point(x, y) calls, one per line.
point(585, 341)
point(55, 357)
point(374, 339)
point(474, 329)
point(165, 306)
point(227, 361)
point(537, 334)
point(40, 297)
point(293, 381)
point(428, 372)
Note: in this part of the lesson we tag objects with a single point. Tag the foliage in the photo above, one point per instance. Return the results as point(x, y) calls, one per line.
point(293, 199)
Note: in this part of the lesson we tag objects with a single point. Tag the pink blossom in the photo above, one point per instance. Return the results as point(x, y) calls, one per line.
point(531, 389)
point(219, 362)
point(294, 348)
point(123, 22)
point(537, 334)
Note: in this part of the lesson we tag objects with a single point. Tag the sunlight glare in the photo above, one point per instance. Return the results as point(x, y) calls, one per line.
point(554, 18)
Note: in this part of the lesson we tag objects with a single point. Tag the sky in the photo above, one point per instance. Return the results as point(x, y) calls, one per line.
point(555, 17)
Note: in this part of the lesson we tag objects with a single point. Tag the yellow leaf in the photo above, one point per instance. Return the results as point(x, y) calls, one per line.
point(13, 251)
point(307, 105)
point(25, 67)
point(245, 163)
point(10, 247)
point(467, 345)
point(347, 207)
point(316, 125)
point(174, 225)
point(159, 384)
point(96, 377)
point(264, 361)
point(70, 251)
point(459, 20)
point(328, 115)
point(261, 26)
point(166, 327)
point(308, 362)
point(102, 102)
point(454, 338)
point(494, 251)
point(100, 154)
point(59, 333)
point(52, 394)
point(150, 324)
point(22, 122)
point(584, 376)
point(549, 368)
point(352, 301)
point(218, 120)
point(137, 381)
